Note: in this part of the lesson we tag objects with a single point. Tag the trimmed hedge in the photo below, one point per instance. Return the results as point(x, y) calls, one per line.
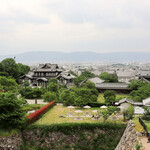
point(96, 104)
point(66, 127)
point(34, 116)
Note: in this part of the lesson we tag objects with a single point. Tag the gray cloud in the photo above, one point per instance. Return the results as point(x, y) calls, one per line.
point(70, 25)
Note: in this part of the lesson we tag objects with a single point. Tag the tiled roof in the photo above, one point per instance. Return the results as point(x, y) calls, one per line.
point(126, 100)
point(144, 73)
point(48, 67)
point(114, 86)
point(96, 80)
point(146, 101)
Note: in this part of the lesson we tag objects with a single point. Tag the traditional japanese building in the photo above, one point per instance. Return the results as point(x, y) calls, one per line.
point(117, 87)
point(41, 75)
point(144, 74)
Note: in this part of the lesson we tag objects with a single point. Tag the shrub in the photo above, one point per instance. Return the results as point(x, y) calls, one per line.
point(49, 96)
point(109, 96)
point(146, 115)
point(34, 116)
point(96, 104)
point(11, 113)
point(128, 113)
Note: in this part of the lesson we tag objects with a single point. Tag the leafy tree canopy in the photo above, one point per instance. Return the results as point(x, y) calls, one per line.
point(9, 67)
point(8, 83)
point(73, 73)
point(79, 79)
point(109, 96)
point(68, 97)
point(128, 112)
point(108, 77)
point(88, 74)
point(142, 93)
point(11, 113)
point(49, 96)
point(136, 84)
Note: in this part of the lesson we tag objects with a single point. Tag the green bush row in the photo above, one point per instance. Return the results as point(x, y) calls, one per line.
point(96, 104)
point(65, 127)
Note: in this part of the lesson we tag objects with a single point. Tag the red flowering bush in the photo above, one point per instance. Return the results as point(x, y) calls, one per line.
point(34, 116)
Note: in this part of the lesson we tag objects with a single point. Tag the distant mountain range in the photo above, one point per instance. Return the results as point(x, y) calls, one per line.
point(59, 57)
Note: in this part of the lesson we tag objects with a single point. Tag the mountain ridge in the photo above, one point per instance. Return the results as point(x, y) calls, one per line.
point(85, 56)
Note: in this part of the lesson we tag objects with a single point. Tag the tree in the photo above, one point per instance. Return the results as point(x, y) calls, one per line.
point(10, 67)
point(92, 87)
point(53, 80)
point(79, 79)
point(8, 84)
point(73, 73)
point(26, 83)
point(11, 113)
point(146, 115)
point(108, 77)
point(128, 112)
point(87, 74)
point(112, 109)
point(105, 114)
point(23, 69)
point(53, 85)
point(29, 92)
point(68, 97)
point(36, 92)
point(109, 96)
point(49, 96)
point(136, 84)
point(85, 96)
point(26, 92)
point(142, 93)
point(5, 74)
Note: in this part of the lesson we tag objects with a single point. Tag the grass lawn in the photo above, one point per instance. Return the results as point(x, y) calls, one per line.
point(4, 133)
point(148, 126)
point(32, 107)
point(52, 116)
point(138, 126)
point(118, 97)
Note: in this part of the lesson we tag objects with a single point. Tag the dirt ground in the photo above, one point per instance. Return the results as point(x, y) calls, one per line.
point(144, 143)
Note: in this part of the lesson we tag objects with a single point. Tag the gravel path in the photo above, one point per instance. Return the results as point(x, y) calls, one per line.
point(144, 143)
point(39, 101)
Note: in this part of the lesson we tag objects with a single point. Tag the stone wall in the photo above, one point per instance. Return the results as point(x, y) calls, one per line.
point(76, 139)
point(11, 142)
point(129, 138)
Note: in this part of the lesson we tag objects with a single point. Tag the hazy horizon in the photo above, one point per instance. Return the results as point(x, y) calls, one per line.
point(20, 53)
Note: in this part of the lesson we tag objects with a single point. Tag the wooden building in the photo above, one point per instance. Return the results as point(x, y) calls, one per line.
point(145, 75)
point(117, 87)
point(41, 75)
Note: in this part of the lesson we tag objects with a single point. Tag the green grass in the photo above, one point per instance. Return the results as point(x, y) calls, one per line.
point(138, 126)
point(52, 116)
point(118, 97)
point(148, 126)
point(32, 107)
point(5, 133)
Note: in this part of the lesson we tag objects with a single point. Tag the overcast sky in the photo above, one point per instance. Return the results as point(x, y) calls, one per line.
point(74, 25)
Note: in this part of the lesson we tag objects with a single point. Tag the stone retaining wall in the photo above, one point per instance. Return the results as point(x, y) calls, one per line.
point(11, 142)
point(129, 138)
